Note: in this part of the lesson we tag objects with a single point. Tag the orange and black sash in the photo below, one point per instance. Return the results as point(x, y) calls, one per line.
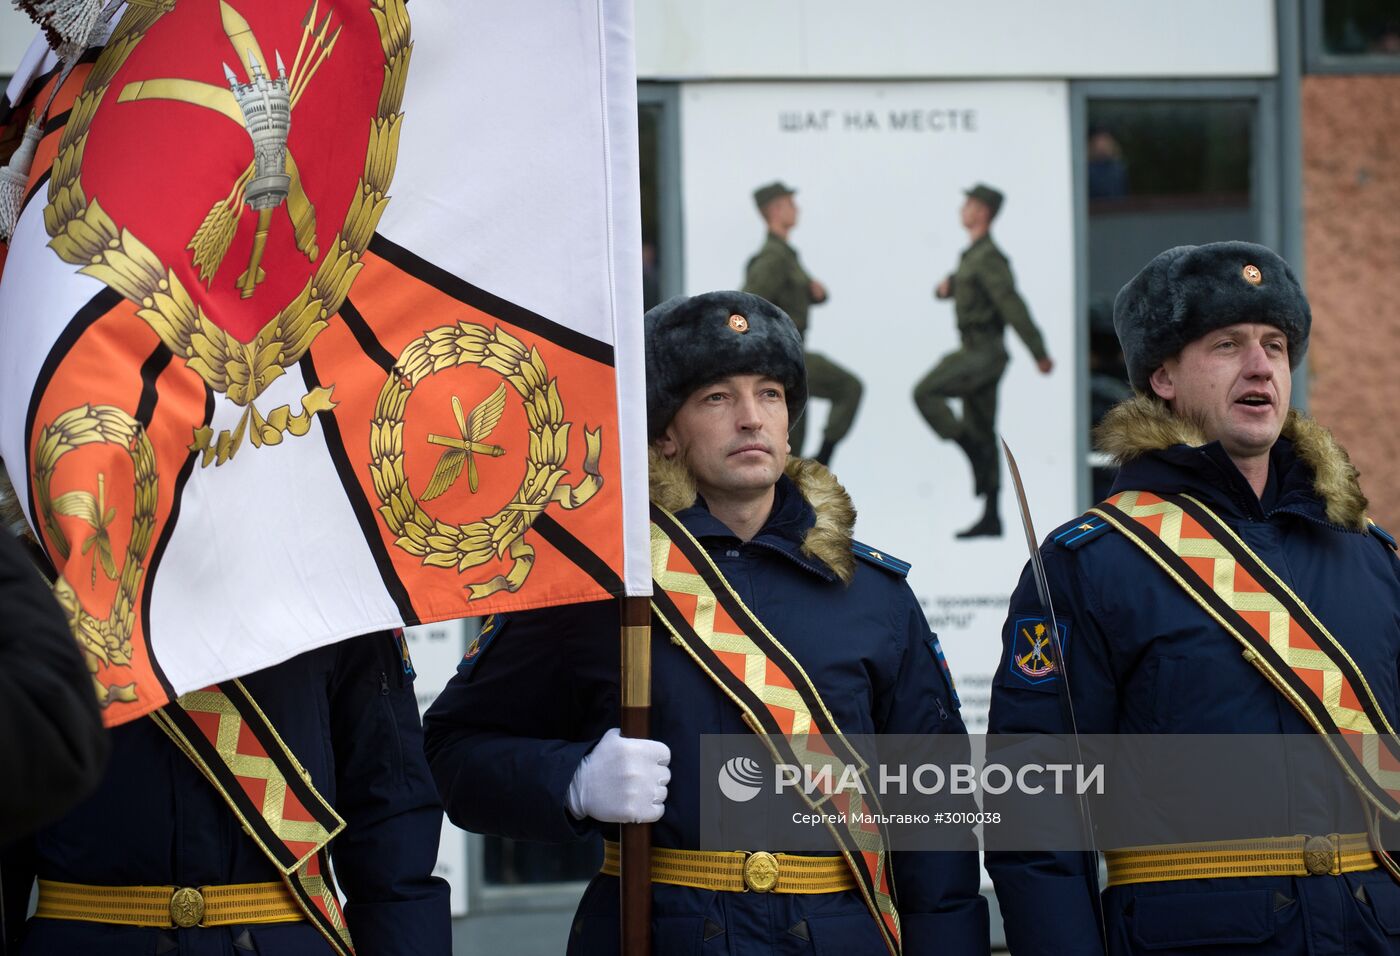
point(228, 737)
point(1280, 635)
point(777, 698)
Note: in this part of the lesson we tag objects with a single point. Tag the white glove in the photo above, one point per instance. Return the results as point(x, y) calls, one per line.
point(622, 780)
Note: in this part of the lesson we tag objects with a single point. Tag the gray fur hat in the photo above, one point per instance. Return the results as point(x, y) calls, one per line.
point(1188, 291)
point(695, 340)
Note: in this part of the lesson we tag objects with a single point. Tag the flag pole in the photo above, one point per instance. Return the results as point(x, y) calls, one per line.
point(635, 838)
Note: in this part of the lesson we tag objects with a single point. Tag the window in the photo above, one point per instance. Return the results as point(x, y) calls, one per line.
point(1352, 36)
point(658, 141)
point(648, 129)
point(1361, 27)
point(1159, 171)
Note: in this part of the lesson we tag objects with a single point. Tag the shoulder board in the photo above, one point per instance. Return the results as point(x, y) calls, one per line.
point(1383, 534)
point(1080, 532)
point(880, 559)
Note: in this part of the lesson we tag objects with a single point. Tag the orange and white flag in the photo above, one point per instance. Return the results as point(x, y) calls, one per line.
point(325, 317)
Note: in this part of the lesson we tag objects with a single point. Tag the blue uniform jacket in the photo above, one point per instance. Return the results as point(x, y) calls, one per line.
point(507, 734)
point(347, 711)
point(1143, 658)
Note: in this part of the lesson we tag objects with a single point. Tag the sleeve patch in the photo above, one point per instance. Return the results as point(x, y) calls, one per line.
point(939, 656)
point(880, 559)
point(1075, 536)
point(404, 655)
point(1032, 657)
point(491, 627)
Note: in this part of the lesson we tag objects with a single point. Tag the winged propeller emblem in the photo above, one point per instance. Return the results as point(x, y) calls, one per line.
point(95, 513)
point(475, 429)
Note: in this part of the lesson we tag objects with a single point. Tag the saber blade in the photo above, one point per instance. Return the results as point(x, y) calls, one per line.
point(1042, 584)
point(1042, 587)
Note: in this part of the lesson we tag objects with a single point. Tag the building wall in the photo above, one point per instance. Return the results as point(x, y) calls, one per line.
point(928, 39)
point(1351, 191)
point(16, 30)
point(924, 38)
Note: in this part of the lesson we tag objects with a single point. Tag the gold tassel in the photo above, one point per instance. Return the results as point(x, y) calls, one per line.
point(67, 23)
point(14, 178)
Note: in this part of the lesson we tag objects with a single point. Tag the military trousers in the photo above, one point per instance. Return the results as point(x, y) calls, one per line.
point(973, 376)
point(1354, 914)
point(826, 379)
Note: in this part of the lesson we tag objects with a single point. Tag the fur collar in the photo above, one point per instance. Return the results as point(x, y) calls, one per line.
point(1144, 424)
point(829, 540)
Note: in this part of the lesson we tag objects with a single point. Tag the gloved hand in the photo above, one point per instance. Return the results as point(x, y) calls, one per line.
point(622, 780)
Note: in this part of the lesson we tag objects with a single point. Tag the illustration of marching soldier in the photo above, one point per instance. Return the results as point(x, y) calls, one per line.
point(985, 299)
point(775, 273)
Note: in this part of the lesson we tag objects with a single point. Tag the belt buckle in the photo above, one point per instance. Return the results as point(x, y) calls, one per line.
point(1322, 855)
point(761, 871)
point(186, 907)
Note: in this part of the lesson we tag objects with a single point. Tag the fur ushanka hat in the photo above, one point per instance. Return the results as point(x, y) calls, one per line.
point(695, 340)
point(1188, 291)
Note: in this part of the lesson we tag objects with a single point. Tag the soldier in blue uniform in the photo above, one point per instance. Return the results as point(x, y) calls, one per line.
point(51, 733)
point(523, 741)
point(1211, 334)
point(347, 712)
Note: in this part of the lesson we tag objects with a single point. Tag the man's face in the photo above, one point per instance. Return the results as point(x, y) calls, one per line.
point(780, 213)
point(732, 434)
point(974, 213)
point(1235, 382)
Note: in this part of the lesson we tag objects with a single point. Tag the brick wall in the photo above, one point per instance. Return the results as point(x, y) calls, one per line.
point(1351, 204)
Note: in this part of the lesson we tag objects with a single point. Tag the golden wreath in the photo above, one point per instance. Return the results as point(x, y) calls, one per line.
point(464, 546)
point(104, 642)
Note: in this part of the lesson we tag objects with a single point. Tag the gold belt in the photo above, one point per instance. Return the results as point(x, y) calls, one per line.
point(738, 871)
point(1299, 855)
point(168, 906)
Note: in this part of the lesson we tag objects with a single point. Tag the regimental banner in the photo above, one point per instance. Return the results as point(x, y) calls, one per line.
point(324, 318)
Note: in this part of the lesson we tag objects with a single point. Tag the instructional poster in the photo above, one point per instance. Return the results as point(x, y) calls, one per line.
point(880, 172)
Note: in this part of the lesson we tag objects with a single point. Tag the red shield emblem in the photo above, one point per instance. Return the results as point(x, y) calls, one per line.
point(224, 169)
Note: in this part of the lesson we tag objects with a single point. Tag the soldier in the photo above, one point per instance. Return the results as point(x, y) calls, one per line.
point(51, 734)
point(156, 861)
point(985, 299)
point(1227, 504)
point(524, 742)
point(774, 273)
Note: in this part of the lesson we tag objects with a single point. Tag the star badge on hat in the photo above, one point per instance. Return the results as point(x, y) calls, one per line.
point(1252, 275)
point(738, 323)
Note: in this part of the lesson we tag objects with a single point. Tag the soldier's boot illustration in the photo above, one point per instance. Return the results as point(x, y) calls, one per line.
point(823, 455)
point(969, 449)
point(989, 525)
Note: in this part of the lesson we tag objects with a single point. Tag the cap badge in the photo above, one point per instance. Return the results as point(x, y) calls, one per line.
point(1252, 275)
point(738, 323)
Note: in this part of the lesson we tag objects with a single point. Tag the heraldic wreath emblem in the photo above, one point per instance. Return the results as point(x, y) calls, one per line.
point(463, 546)
point(103, 641)
point(93, 215)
